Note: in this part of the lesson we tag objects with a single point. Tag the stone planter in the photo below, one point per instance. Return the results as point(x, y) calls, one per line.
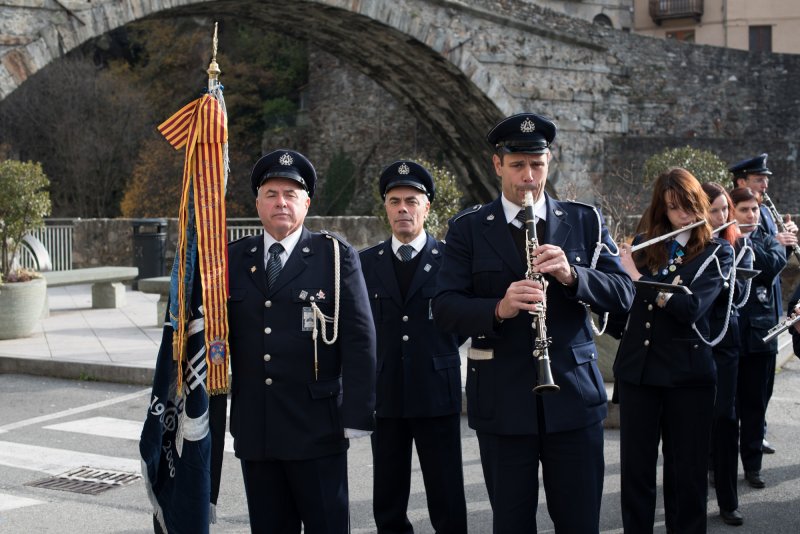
point(21, 307)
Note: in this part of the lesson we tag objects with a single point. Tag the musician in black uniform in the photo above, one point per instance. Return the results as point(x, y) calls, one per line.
point(664, 368)
point(419, 379)
point(754, 173)
point(302, 357)
point(724, 325)
point(483, 292)
point(757, 316)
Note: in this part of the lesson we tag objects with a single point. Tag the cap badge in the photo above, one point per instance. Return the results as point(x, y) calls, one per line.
point(527, 126)
point(403, 169)
point(286, 159)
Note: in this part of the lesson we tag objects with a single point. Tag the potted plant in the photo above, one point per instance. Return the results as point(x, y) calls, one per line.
point(24, 202)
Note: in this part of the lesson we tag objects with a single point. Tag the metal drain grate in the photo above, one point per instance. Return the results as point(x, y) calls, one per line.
point(86, 480)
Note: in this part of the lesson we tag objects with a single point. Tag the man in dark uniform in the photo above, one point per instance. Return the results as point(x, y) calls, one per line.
point(419, 380)
point(302, 357)
point(754, 173)
point(483, 293)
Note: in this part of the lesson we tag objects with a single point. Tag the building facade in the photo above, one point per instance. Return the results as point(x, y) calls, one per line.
point(764, 26)
point(617, 14)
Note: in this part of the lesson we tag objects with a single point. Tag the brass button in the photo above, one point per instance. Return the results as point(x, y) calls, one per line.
point(647, 325)
point(405, 338)
point(268, 304)
point(646, 342)
point(268, 381)
point(405, 318)
point(649, 307)
point(267, 357)
point(268, 330)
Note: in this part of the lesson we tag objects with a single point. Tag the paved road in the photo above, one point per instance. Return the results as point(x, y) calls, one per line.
point(48, 426)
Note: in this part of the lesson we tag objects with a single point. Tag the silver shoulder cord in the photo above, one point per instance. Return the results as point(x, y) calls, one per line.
point(729, 278)
point(749, 282)
point(598, 249)
point(323, 319)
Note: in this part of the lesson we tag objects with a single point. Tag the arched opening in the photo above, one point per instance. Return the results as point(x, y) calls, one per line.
point(603, 20)
point(432, 89)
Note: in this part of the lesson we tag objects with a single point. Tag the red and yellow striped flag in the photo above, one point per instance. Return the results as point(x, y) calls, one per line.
point(201, 127)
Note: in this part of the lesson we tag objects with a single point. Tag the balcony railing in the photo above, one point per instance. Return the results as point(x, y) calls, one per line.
point(675, 9)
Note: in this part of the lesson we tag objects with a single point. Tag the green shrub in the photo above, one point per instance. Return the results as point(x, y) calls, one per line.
point(24, 203)
point(703, 164)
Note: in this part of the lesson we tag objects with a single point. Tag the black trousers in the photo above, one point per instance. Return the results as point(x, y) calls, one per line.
point(725, 430)
point(438, 443)
point(756, 377)
point(282, 495)
point(572, 474)
point(681, 417)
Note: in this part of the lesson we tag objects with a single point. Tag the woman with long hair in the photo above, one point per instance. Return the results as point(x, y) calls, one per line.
point(664, 367)
point(725, 324)
point(757, 316)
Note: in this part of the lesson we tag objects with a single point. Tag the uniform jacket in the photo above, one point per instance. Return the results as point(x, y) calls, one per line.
point(481, 261)
point(759, 313)
point(418, 365)
point(659, 346)
point(278, 409)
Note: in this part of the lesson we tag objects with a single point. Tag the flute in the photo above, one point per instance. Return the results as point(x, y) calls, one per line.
point(782, 326)
point(666, 236)
point(721, 228)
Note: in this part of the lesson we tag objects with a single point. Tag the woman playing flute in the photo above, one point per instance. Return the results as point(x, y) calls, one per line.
point(664, 367)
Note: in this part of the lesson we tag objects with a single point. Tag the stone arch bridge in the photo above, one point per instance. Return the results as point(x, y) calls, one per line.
point(460, 65)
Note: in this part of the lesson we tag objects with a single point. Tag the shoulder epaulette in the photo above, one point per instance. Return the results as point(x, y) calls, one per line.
point(334, 235)
point(583, 204)
point(367, 249)
point(240, 239)
point(467, 211)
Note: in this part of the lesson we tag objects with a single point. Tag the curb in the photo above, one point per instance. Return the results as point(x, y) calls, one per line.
point(77, 370)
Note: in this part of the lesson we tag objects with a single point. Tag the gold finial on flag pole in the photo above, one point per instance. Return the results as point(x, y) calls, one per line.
point(213, 67)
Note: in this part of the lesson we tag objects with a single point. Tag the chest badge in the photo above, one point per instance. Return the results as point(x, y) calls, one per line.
point(253, 269)
point(427, 267)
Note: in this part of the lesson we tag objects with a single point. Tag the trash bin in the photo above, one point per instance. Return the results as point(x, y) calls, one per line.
point(149, 248)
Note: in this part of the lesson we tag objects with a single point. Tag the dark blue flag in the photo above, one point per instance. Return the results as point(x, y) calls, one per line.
point(176, 442)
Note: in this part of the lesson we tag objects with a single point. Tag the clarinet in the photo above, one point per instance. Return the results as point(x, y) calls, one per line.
point(545, 383)
point(778, 220)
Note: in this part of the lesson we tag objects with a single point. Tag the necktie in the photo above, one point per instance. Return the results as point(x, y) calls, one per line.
point(521, 217)
point(274, 264)
point(405, 252)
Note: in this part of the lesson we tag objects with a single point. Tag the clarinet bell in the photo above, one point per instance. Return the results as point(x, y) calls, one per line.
point(546, 383)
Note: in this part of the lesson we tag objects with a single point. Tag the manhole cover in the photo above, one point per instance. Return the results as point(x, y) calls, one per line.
point(87, 480)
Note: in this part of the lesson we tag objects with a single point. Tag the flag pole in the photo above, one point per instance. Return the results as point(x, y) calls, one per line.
point(213, 67)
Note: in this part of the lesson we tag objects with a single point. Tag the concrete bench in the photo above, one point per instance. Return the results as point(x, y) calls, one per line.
point(160, 285)
point(107, 288)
